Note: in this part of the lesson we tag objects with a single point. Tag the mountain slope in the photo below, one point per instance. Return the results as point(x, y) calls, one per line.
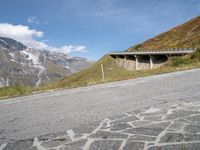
point(25, 66)
point(185, 35)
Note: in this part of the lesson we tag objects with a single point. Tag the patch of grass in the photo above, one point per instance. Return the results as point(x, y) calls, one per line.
point(137, 46)
point(179, 61)
point(13, 91)
point(187, 60)
point(196, 56)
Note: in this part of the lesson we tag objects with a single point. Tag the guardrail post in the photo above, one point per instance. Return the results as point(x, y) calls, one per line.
point(136, 62)
point(102, 72)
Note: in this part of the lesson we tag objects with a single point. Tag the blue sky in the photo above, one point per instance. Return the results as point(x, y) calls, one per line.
point(92, 28)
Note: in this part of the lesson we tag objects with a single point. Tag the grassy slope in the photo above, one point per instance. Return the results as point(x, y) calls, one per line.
point(93, 75)
point(14, 91)
point(185, 35)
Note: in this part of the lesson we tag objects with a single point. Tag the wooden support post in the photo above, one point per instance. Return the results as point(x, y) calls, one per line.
point(102, 72)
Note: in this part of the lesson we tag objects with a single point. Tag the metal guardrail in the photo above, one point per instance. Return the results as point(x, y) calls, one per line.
point(160, 51)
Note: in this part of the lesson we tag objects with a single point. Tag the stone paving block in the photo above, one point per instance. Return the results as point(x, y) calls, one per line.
point(142, 138)
point(20, 145)
point(191, 137)
point(120, 126)
point(2, 141)
point(192, 128)
point(108, 135)
point(153, 118)
point(152, 129)
point(133, 145)
point(179, 114)
point(52, 136)
point(155, 113)
point(86, 128)
point(117, 117)
point(176, 126)
point(136, 112)
point(185, 146)
point(182, 120)
point(105, 125)
point(193, 119)
point(77, 145)
point(141, 123)
point(105, 145)
point(54, 142)
point(124, 120)
point(172, 137)
point(150, 144)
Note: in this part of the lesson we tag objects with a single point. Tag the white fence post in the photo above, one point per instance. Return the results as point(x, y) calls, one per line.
point(102, 72)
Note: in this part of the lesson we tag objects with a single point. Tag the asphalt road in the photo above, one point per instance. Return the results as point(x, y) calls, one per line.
point(40, 114)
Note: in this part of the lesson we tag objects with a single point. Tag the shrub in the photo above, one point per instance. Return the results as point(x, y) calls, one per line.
point(137, 46)
point(196, 55)
point(179, 61)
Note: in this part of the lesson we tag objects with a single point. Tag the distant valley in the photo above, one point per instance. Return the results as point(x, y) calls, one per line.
point(26, 66)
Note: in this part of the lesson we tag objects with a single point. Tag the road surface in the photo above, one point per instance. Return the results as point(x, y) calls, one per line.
point(52, 112)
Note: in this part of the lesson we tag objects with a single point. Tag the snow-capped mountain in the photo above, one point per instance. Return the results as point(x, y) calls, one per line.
point(25, 66)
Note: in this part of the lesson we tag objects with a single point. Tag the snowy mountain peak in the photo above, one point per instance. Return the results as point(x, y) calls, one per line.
point(20, 64)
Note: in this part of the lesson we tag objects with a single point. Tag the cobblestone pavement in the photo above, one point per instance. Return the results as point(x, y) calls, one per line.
point(163, 127)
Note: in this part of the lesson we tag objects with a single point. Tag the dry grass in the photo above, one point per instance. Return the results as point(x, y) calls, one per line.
point(186, 35)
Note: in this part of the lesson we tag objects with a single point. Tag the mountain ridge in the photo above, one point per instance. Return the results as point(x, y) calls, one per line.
point(26, 66)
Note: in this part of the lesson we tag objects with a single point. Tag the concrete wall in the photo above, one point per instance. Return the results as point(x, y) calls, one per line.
point(127, 64)
point(145, 62)
point(159, 61)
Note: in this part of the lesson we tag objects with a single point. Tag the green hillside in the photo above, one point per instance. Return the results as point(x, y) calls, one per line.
point(185, 35)
point(93, 75)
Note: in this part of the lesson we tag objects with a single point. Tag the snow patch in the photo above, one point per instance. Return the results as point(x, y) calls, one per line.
point(34, 58)
point(4, 42)
point(4, 82)
point(12, 60)
point(67, 67)
point(12, 55)
point(42, 70)
point(1, 84)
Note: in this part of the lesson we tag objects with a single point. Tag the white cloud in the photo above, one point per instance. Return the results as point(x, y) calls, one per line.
point(19, 32)
point(71, 48)
point(33, 20)
point(28, 37)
